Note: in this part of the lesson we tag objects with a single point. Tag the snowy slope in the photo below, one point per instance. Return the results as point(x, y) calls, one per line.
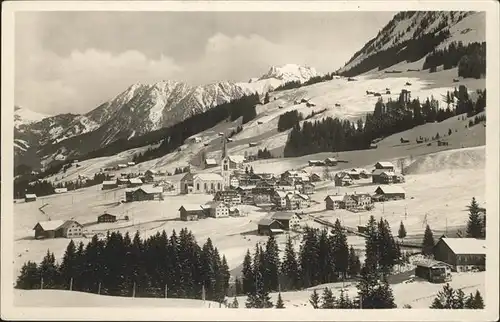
point(24, 116)
point(465, 26)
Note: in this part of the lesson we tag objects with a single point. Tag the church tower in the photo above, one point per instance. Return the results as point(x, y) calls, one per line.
point(225, 169)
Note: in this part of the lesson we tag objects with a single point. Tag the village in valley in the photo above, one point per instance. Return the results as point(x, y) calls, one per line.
point(237, 215)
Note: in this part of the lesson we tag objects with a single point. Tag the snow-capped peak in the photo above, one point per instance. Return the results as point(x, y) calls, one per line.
point(290, 72)
point(24, 116)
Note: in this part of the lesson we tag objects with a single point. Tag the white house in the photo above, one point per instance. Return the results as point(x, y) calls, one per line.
point(217, 209)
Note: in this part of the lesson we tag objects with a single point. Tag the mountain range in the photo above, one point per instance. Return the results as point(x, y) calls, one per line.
point(140, 109)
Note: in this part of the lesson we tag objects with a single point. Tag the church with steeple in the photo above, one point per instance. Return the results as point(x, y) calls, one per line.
point(229, 163)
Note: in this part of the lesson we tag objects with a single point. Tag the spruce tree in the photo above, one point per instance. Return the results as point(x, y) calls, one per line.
point(279, 303)
point(68, 265)
point(29, 278)
point(49, 271)
point(402, 230)
point(354, 267)
point(428, 241)
point(340, 249)
point(469, 302)
point(328, 300)
point(375, 294)
point(271, 264)
point(309, 258)
point(290, 267)
point(478, 301)
point(474, 225)
point(445, 299)
point(314, 299)
point(235, 304)
point(343, 301)
point(325, 258)
point(371, 245)
point(248, 275)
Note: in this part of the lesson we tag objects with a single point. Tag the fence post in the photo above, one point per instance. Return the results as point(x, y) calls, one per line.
point(71, 284)
point(99, 289)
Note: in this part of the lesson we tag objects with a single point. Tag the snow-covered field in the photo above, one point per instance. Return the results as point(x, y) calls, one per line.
point(59, 298)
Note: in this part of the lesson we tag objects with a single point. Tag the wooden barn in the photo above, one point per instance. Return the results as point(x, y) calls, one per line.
point(143, 193)
point(57, 229)
point(463, 254)
point(287, 219)
point(331, 162)
point(268, 226)
point(29, 197)
point(105, 217)
point(383, 193)
point(191, 212)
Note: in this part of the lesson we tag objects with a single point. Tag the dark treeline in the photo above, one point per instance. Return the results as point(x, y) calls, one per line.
point(470, 59)
point(387, 118)
point(410, 50)
point(288, 120)
point(264, 154)
point(178, 133)
point(113, 266)
point(45, 188)
point(322, 258)
point(310, 81)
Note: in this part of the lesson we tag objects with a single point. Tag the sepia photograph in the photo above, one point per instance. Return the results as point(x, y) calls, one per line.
point(221, 160)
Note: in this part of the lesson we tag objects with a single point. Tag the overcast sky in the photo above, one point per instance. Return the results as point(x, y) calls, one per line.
point(70, 62)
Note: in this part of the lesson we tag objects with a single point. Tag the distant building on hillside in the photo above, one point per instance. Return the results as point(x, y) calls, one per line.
point(134, 182)
point(210, 163)
point(29, 197)
point(58, 228)
point(105, 217)
point(287, 220)
point(106, 185)
point(463, 254)
point(143, 193)
point(60, 190)
point(342, 179)
point(315, 177)
point(331, 162)
point(229, 197)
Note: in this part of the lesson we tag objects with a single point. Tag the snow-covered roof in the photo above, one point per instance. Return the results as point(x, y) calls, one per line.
point(51, 224)
point(30, 195)
point(283, 215)
point(266, 221)
point(109, 182)
point(385, 164)
point(213, 204)
point(61, 189)
point(276, 230)
point(335, 197)
point(331, 159)
point(208, 176)
point(378, 172)
point(211, 161)
point(135, 180)
point(466, 245)
point(131, 163)
point(150, 189)
point(391, 189)
point(389, 173)
point(281, 194)
point(236, 158)
point(191, 207)
point(305, 197)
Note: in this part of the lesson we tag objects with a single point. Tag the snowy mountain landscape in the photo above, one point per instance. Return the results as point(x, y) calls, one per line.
point(188, 186)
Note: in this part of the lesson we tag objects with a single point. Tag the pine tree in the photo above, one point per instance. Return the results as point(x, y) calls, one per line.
point(328, 300)
point(428, 241)
point(343, 301)
point(279, 303)
point(478, 301)
point(448, 298)
point(474, 225)
point(290, 267)
point(49, 271)
point(314, 299)
point(402, 231)
point(469, 302)
point(29, 278)
point(309, 259)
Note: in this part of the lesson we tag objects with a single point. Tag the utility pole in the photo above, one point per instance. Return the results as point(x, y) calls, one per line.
point(71, 284)
point(166, 291)
point(133, 291)
point(99, 289)
point(41, 283)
